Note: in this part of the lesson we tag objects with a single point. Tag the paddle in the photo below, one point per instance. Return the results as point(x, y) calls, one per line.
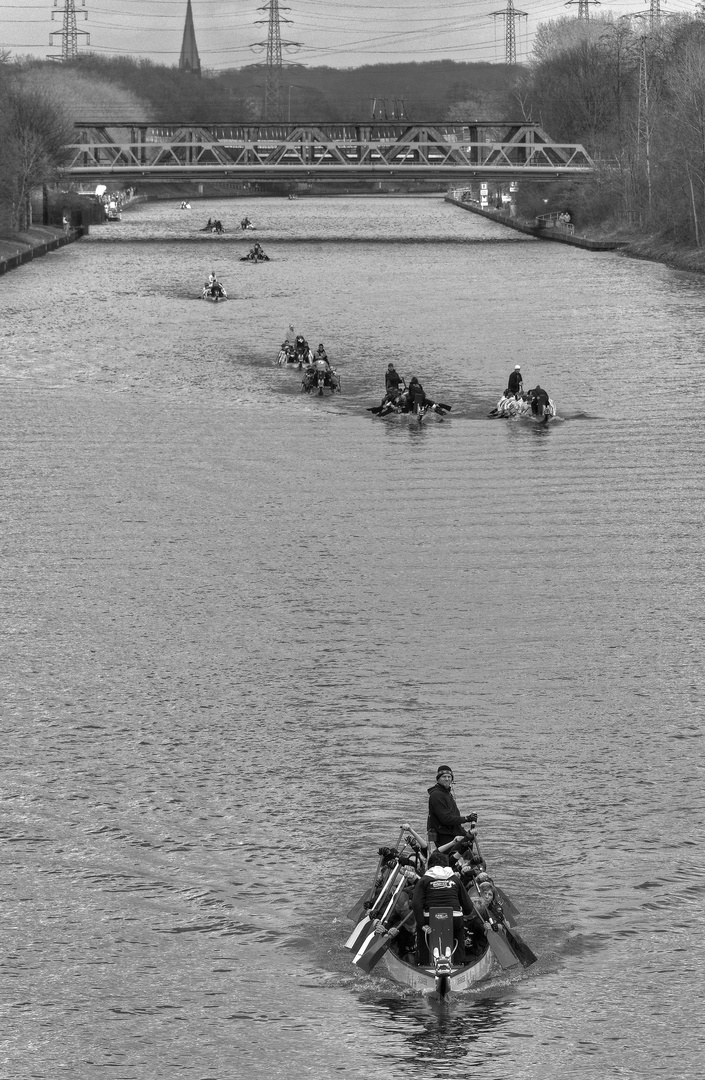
point(498, 943)
point(375, 409)
point(369, 919)
point(440, 405)
point(369, 959)
point(526, 955)
point(362, 925)
point(510, 911)
point(360, 949)
point(358, 910)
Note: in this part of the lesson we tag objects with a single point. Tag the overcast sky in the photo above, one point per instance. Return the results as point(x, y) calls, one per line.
point(339, 33)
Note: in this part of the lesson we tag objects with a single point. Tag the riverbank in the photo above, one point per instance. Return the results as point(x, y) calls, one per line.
point(624, 240)
point(558, 234)
point(19, 248)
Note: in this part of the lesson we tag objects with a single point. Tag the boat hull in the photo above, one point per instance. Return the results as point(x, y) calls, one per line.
point(423, 979)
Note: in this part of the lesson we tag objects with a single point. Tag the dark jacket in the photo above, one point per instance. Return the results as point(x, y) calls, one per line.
point(416, 392)
point(443, 814)
point(515, 382)
point(440, 887)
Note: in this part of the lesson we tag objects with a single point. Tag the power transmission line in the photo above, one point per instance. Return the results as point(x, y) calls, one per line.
point(583, 7)
point(274, 62)
point(68, 33)
point(510, 15)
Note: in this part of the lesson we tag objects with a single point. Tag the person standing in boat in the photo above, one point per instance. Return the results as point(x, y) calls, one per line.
point(515, 382)
point(441, 887)
point(445, 821)
point(393, 384)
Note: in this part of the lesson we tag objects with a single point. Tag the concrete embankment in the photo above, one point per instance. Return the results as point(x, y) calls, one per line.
point(557, 234)
point(22, 247)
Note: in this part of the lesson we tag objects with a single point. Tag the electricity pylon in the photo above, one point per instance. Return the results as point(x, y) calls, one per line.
point(274, 62)
point(583, 7)
point(69, 34)
point(510, 14)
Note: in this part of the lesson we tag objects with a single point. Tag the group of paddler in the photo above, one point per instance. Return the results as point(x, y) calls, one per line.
point(515, 400)
point(316, 366)
point(400, 398)
point(446, 870)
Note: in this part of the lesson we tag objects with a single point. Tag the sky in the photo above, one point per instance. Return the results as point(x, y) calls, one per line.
point(337, 33)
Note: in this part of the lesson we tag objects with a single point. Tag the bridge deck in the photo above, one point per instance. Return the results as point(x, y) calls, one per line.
point(344, 152)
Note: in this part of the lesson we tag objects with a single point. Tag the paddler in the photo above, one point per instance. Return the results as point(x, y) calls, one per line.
point(441, 887)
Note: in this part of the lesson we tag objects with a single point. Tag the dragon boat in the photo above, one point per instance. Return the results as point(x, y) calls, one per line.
point(416, 411)
point(317, 379)
point(214, 291)
point(384, 932)
point(511, 406)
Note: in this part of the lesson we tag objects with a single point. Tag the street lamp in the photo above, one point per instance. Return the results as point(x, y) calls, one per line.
point(298, 86)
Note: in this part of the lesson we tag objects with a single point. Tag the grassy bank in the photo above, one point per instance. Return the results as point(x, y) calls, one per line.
point(19, 248)
point(675, 255)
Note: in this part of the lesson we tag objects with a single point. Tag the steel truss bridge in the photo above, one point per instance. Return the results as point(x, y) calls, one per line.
point(321, 152)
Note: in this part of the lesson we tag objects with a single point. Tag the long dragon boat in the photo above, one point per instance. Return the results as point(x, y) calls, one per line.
point(384, 932)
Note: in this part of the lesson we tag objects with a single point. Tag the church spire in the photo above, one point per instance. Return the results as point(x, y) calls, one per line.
point(189, 60)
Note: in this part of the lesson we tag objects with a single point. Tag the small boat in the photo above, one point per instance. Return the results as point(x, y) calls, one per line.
point(529, 405)
point(418, 411)
point(384, 922)
point(320, 379)
point(299, 354)
point(254, 257)
point(214, 292)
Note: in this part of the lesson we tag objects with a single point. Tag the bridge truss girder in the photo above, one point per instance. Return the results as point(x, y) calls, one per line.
point(322, 152)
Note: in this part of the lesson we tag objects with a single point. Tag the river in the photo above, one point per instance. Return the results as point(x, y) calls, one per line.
point(242, 627)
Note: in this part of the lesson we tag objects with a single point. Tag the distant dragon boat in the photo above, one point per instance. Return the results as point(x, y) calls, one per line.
point(534, 405)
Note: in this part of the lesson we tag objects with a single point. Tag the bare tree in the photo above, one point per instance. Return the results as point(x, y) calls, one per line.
point(33, 136)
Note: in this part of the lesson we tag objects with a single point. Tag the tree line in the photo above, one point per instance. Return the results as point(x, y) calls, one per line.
point(634, 95)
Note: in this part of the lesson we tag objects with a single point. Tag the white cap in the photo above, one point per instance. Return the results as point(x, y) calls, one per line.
point(517, 367)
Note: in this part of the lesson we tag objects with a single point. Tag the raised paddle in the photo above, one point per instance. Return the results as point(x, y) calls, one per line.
point(374, 923)
point(369, 959)
point(358, 910)
point(362, 928)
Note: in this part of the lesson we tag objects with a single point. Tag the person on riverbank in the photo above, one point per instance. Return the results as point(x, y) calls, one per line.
point(445, 821)
point(515, 381)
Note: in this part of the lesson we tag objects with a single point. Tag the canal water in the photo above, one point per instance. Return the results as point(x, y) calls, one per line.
point(242, 627)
